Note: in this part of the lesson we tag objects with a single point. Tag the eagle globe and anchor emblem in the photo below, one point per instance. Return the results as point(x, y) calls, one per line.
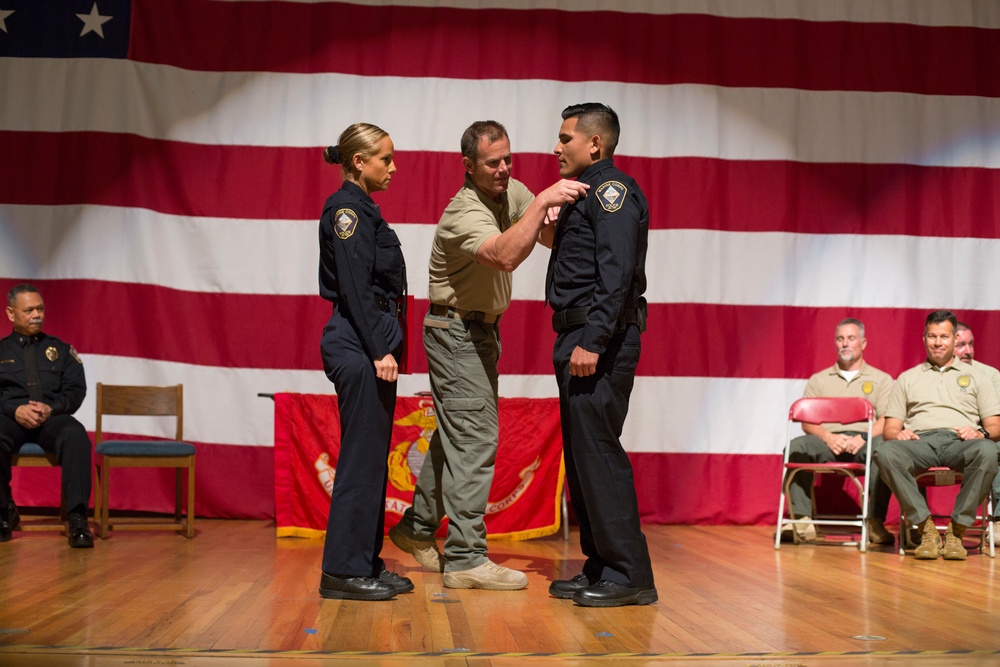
point(406, 459)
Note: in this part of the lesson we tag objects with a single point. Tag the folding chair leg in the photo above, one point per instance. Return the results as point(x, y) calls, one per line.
point(177, 494)
point(105, 484)
point(190, 508)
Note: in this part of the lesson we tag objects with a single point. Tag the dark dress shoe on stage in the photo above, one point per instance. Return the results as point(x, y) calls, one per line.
point(80, 536)
point(6, 531)
point(609, 594)
point(355, 588)
point(400, 583)
point(565, 589)
point(13, 517)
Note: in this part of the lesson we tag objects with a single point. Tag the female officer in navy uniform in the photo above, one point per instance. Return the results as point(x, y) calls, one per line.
point(361, 272)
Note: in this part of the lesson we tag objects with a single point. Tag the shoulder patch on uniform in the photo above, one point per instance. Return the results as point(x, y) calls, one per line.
point(73, 353)
point(345, 221)
point(611, 194)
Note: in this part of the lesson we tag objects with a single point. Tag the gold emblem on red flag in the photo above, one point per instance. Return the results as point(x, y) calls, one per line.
point(407, 457)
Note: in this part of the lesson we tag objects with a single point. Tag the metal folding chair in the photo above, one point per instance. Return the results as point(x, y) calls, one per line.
point(846, 410)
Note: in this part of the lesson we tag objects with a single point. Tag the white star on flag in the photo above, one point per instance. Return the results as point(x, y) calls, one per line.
point(93, 21)
point(4, 13)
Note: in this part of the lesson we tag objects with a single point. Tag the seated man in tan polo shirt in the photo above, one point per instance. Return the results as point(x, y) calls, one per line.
point(849, 377)
point(965, 349)
point(943, 412)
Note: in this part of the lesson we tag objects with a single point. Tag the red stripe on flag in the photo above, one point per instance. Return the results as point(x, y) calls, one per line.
point(684, 339)
point(460, 43)
point(686, 193)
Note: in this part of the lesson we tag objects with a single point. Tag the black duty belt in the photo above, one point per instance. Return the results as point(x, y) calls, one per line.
point(388, 305)
point(564, 320)
point(460, 314)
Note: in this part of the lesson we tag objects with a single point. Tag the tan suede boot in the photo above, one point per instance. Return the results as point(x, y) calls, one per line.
point(930, 541)
point(953, 548)
point(877, 534)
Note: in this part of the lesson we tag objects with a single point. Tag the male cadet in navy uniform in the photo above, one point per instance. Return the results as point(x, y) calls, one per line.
point(965, 349)
point(41, 386)
point(595, 281)
point(943, 412)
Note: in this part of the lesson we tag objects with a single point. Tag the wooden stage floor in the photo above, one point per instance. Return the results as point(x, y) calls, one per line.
point(236, 595)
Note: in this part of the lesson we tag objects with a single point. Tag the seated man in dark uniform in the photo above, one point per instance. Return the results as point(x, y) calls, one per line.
point(41, 386)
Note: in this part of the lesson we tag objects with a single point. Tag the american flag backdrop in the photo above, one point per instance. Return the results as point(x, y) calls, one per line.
point(161, 181)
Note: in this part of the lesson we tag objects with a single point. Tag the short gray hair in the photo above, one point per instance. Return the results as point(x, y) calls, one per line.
point(850, 320)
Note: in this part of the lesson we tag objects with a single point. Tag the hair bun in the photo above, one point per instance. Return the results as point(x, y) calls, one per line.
point(332, 154)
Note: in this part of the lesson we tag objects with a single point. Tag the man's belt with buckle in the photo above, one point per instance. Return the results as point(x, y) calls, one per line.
point(460, 314)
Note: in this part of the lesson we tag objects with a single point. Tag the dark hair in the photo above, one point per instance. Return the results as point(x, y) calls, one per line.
point(850, 320)
point(16, 290)
point(596, 118)
point(492, 130)
point(940, 317)
point(358, 139)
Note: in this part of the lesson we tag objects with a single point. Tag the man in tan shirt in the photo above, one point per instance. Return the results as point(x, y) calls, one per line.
point(826, 443)
point(943, 412)
point(965, 349)
point(487, 230)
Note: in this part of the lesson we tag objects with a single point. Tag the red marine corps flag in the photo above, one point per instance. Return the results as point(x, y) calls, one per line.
point(527, 484)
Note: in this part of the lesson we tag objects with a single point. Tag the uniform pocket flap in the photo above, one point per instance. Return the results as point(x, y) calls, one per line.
point(467, 404)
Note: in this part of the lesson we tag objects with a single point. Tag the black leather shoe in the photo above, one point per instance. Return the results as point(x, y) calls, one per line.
point(355, 588)
point(609, 594)
point(566, 588)
point(80, 536)
point(6, 532)
point(13, 517)
point(399, 583)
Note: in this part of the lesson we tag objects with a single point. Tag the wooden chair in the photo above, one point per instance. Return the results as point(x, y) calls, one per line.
point(110, 454)
point(819, 411)
point(31, 455)
point(982, 529)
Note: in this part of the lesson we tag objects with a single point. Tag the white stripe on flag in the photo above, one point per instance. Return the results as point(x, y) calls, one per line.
point(304, 110)
point(280, 257)
point(667, 414)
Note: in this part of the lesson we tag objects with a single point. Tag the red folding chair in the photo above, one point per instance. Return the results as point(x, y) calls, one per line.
point(819, 411)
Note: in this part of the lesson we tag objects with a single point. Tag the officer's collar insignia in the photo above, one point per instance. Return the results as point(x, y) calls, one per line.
point(964, 381)
point(72, 352)
point(867, 388)
point(345, 221)
point(51, 353)
point(611, 194)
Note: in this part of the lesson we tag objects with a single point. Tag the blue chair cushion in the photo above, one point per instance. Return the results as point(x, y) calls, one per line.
point(145, 448)
point(31, 449)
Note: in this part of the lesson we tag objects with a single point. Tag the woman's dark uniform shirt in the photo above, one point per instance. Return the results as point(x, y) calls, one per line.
point(360, 263)
point(599, 254)
point(60, 373)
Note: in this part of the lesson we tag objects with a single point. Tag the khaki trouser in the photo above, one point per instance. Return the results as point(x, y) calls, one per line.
point(810, 449)
point(457, 473)
point(900, 460)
